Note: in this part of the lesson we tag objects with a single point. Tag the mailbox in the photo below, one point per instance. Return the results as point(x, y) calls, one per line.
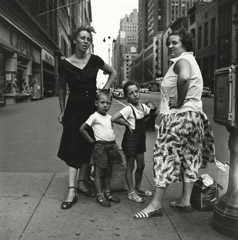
point(226, 96)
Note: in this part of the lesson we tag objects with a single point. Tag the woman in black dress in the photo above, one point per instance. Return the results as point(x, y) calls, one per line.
point(79, 73)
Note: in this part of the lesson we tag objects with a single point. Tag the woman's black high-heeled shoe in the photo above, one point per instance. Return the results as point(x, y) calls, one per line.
point(66, 205)
point(88, 193)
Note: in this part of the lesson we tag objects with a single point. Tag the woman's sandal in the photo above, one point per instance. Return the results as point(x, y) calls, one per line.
point(152, 214)
point(88, 193)
point(184, 209)
point(66, 205)
point(144, 192)
point(135, 197)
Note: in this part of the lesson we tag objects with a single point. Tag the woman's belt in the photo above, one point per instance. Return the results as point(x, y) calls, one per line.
point(85, 93)
point(106, 142)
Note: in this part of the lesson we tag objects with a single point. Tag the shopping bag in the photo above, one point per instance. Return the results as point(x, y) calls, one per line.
point(205, 193)
point(118, 180)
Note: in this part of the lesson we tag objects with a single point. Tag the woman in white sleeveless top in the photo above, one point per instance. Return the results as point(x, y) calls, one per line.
point(185, 141)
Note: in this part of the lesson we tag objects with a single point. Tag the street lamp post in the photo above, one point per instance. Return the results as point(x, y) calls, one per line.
point(109, 47)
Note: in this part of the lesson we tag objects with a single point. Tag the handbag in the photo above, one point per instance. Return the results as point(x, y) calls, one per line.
point(205, 193)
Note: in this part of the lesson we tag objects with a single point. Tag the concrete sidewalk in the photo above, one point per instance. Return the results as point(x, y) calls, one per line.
point(33, 184)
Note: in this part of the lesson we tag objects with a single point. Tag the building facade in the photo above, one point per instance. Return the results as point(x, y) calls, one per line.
point(224, 32)
point(234, 40)
point(206, 42)
point(125, 48)
point(154, 18)
point(34, 35)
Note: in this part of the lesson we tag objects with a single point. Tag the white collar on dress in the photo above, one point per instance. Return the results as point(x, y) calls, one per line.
point(180, 56)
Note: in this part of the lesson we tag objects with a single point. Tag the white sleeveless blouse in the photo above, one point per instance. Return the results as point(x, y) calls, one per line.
point(168, 87)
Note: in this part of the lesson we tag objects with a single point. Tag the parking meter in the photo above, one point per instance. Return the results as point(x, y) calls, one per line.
point(226, 96)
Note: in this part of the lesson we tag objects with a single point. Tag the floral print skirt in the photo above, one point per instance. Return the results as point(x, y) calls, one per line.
point(184, 143)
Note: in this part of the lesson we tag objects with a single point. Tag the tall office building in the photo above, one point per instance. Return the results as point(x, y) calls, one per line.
point(126, 45)
point(179, 8)
point(154, 18)
point(155, 15)
point(151, 19)
point(129, 32)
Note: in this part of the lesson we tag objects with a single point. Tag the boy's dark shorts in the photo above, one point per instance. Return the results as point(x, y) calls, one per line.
point(133, 144)
point(105, 153)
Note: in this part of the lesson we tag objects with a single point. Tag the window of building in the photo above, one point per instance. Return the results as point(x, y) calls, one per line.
point(200, 37)
point(205, 35)
point(213, 30)
point(64, 48)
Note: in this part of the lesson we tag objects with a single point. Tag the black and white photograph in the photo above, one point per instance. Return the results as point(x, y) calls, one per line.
point(118, 119)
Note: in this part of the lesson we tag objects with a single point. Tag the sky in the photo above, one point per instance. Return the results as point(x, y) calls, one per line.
point(106, 16)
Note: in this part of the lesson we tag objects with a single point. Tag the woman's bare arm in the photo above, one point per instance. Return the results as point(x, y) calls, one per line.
point(112, 75)
point(183, 69)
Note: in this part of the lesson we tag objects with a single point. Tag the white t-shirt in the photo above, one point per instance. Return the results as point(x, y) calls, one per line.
point(169, 87)
point(128, 115)
point(102, 126)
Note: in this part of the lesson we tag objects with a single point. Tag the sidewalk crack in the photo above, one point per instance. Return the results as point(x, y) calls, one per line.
point(37, 205)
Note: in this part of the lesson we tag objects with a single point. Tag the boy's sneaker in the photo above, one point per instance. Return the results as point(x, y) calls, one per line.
point(112, 198)
point(103, 201)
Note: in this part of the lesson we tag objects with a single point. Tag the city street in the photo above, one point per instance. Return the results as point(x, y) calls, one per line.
point(33, 183)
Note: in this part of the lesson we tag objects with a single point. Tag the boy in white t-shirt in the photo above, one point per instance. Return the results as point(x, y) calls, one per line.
point(133, 117)
point(105, 152)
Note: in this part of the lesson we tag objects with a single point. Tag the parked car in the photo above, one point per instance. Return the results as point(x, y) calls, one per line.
point(206, 92)
point(144, 90)
point(118, 93)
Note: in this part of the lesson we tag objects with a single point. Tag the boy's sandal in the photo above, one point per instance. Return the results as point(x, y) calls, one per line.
point(144, 192)
point(103, 201)
point(111, 198)
point(152, 214)
point(184, 209)
point(135, 197)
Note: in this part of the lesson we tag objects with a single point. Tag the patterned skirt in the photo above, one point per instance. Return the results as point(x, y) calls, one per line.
point(184, 143)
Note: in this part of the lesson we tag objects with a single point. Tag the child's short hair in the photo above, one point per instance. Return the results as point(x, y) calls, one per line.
point(128, 84)
point(105, 92)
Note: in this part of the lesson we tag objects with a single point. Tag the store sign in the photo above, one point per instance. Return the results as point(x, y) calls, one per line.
point(24, 46)
point(19, 43)
point(47, 57)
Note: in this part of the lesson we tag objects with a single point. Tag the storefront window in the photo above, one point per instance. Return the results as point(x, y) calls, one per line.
point(1, 78)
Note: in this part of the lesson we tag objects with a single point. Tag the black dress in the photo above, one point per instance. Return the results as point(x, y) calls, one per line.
point(74, 149)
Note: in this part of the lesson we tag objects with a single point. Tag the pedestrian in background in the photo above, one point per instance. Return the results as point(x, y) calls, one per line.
point(133, 117)
point(105, 150)
point(185, 140)
point(79, 73)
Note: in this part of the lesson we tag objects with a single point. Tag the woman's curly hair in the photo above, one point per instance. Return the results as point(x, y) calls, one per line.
point(88, 29)
point(186, 38)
